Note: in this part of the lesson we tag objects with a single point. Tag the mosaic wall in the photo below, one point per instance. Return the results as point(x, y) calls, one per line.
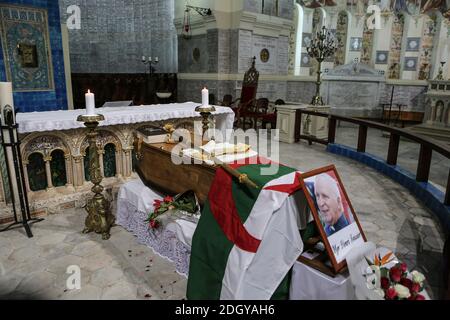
point(55, 99)
point(114, 35)
point(367, 46)
point(396, 47)
point(429, 31)
point(26, 48)
point(341, 36)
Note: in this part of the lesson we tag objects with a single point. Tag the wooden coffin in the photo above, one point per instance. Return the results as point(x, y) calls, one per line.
point(157, 171)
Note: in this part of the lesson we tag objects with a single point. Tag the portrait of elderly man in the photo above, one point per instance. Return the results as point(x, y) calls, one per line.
point(329, 203)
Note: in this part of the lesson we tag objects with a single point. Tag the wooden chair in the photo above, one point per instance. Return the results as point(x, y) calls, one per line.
point(248, 93)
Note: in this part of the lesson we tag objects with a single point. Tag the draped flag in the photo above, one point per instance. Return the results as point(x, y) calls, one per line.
point(245, 242)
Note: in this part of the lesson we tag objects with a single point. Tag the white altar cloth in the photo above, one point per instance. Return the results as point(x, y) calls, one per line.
point(67, 119)
point(310, 284)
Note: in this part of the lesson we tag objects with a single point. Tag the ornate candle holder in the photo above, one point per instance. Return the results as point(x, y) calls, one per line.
point(205, 112)
point(320, 48)
point(99, 217)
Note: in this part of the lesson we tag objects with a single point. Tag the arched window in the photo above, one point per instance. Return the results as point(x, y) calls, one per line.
point(36, 172)
point(58, 168)
point(87, 175)
point(109, 160)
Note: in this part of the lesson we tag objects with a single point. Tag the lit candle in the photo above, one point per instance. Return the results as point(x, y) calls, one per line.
point(150, 59)
point(90, 103)
point(205, 97)
point(143, 58)
point(156, 59)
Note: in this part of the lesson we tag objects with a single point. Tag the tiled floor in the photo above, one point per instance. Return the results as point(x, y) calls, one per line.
point(122, 269)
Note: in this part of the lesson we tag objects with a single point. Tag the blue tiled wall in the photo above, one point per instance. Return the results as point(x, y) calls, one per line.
point(426, 192)
point(43, 100)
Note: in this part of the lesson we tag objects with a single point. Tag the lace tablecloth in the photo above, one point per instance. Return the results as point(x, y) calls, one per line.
point(172, 242)
point(67, 119)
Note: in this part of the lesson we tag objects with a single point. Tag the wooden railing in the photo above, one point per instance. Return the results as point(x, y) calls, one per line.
point(427, 145)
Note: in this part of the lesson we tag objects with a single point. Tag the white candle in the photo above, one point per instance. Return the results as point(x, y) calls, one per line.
point(90, 103)
point(149, 58)
point(205, 97)
point(143, 58)
point(156, 59)
point(6, 97)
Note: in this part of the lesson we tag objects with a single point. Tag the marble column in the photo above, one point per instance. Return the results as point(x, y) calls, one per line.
point(69, 175)
point(100, 160)
point(48, 172)
point(25, 175)
point(127, 162)
point(118, 164)
point(432, 114)
point(78, 171)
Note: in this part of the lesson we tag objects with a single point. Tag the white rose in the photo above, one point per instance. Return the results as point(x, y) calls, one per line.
point(402, 291)
point(417, 277)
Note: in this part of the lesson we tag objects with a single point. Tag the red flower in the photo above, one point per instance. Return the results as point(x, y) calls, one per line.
point(403, 267)
point(420, 297)
point(390, 294)
point(154, 224)
point(395, 274)
point(384, 283)
point(168, 199)
point(415, 287)
point(407, 283)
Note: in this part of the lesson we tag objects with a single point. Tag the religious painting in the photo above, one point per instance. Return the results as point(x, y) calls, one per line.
point(333, 213)
point(341, 38)
point(410, 64)
point(412, 44)
point(355, 43)
point(26, 48)
point(381, 57)
point(307, 37)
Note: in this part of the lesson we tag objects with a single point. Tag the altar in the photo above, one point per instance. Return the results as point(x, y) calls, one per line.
point(54, 150)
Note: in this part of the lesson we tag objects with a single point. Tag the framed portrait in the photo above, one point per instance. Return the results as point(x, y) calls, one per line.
point(333, 213)
point(355, 43)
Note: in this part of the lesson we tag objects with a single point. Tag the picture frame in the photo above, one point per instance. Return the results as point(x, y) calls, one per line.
point(336, 220)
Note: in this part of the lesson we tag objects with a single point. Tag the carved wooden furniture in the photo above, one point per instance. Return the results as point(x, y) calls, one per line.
point(157, 171)
point(248, 93)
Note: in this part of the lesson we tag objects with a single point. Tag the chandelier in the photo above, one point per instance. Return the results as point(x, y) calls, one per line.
point(187, 28)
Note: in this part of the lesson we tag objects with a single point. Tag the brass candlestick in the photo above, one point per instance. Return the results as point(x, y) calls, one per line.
point(205, 112)
point(320, 48)
point(99, 217)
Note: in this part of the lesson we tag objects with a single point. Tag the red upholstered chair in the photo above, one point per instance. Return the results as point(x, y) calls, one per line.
point(248, 94)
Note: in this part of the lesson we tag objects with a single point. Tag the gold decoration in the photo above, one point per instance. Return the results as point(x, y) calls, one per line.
point(99, 217)
point(205, 112)
point(170, 128)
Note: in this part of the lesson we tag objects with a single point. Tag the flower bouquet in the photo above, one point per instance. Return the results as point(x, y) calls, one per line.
point(185, 203)
point(394, 282)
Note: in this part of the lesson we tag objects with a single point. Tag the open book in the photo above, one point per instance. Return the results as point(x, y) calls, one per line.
point(217, 149)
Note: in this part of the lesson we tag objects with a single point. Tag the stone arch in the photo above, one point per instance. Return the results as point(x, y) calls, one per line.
point(104, 137)
point(45, 144)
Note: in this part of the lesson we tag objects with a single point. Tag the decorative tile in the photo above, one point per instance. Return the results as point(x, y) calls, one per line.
point(355, 44)
point(382, 57)
point(410, 64)
point(412, 44)
point(305, 60)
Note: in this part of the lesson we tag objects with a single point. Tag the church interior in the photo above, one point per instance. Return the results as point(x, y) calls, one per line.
point(210, 149)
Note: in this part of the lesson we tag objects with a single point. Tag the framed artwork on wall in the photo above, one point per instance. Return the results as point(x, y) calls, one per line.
point(355, 43)
point(333, 213)
point(412, 44)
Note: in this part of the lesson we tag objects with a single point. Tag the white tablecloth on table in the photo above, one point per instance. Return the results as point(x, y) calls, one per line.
point(67, 119)
point(310, 284)
point(173, 241)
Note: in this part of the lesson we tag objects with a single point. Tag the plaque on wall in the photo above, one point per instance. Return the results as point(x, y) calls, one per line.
point(26, 48)
point(264, 55)
point(410, 64)
point(382, 57)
